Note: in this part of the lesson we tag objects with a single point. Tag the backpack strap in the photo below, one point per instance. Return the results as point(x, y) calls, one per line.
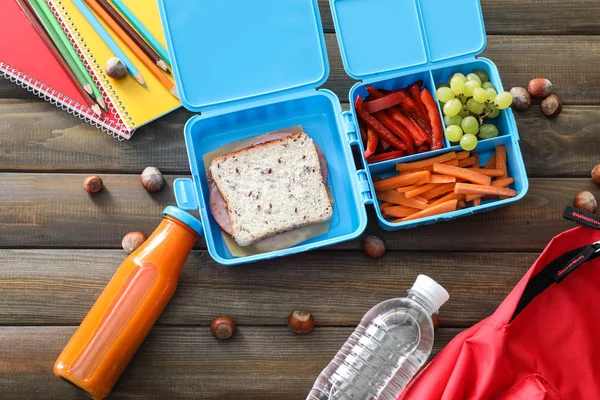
point(582, 217)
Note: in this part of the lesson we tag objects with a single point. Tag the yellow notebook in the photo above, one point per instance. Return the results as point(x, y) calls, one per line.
point(134, 104)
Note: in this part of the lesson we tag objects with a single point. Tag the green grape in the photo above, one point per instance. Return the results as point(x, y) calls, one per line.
point(470, 86)
point(479, 95)
point(441, 85)
point(452, 107)
point(454, 133)
point(474, 106)
point(459, 75)
point(482, 75)
point(490, 94)
point(464, 112)
point(457, 85)
point(474, 77)
point(444, 94)
point(494, 112)
point(456, 120)
point(488, 131)
point(503, 100)
point(468, 142)
point(470, 125)
point(488, 85)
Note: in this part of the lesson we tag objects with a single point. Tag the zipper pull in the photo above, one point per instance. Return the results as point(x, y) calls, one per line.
point(591, 251)
point(582, 217)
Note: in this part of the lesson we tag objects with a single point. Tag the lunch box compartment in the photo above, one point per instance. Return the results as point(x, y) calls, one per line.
point(261, 74)
point(317, 114)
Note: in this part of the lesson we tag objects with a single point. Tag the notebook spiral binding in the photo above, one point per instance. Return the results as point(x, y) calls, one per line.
point(55, 97)
point(95, 70)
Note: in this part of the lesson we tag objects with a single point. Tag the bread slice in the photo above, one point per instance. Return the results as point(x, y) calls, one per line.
point(272, 187)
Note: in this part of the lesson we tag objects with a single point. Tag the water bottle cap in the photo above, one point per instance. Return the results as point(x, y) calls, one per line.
point(431, 290)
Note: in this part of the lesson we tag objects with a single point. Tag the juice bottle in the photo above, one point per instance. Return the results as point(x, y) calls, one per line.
point(115, 327)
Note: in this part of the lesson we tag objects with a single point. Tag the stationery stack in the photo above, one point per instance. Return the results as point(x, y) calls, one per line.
point(68, 45)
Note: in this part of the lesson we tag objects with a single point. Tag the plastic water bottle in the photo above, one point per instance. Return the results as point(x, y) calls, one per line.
point(393, 340)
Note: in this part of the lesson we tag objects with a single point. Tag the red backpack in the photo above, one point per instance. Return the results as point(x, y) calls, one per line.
point(542, 343)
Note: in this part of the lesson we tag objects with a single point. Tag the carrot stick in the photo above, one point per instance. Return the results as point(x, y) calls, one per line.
point(467, 162)
point(399, 198)
point(423, 181)
point(401, 180)
point(477, 201)
point(399, 211)
point(449, 196)
point(442, 179)
point(501, 159)
point(385, 205)
point(425, 163)
point(420, 189)
point(422, 200)
point(503, 182)
point(466, 188)
point(492, 162)
point(471, 197)
point(438, 191)
point(407, 188)
point(461, 155)
point(461, 204)
point(489, 172)
point(453, 163)
point(464, 173)
point(433, 210)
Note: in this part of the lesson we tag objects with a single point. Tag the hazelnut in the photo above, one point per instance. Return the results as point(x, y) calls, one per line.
point(152, 179)
point(132, 241)
point(300, 322)
point(586, 201)
point(223, 328)
point(115, 68)
point(552, 105)
point(521, 98)
point(373, 246)
point(596, 174)
point(436, 322)
point(539, 87)
point(93, 184)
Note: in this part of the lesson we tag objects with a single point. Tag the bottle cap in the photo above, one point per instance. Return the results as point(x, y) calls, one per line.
point(431, 290)
point(186, 218)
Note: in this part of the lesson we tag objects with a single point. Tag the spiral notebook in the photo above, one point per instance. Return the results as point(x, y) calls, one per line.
point(130, 105)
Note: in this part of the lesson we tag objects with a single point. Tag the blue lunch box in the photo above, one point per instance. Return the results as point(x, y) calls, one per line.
point(252, 67)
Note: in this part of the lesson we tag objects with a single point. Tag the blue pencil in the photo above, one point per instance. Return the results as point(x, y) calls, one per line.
point(142, 30)
point(108, 40)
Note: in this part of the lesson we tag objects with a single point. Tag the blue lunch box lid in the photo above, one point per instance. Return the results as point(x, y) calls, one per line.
point(257, 49)
point(377, 37)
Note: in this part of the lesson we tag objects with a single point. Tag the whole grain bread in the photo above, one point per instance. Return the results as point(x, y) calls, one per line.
point(272, 187)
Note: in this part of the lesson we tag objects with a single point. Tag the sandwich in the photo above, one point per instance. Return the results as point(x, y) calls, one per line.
point(276, 185)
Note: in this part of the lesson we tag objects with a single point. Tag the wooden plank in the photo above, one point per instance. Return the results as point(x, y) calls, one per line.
point(53, 210)
point(58, 287)
point(532, 17)
point(35, 137)
point(570, 62)
point(183, 363)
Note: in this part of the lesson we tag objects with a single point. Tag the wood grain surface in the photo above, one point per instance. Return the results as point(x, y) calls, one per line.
point(183, 362)
point(59, 246)
point(52, 210)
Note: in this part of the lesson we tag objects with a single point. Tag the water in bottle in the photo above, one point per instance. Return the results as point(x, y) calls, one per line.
point(392, 341)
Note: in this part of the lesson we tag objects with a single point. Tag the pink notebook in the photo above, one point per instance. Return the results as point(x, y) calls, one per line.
point(26, 60)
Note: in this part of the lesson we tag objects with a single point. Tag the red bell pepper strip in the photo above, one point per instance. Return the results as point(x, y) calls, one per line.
point(385, 145)
point(409, 108)
point(423, 149)
point(377, 126)
point(363, 132)
point(385, 156)
point(372, 142)
point(418, 135)
point(434, 117)
point(384, 101)
point(396, 129)
point(415, 91)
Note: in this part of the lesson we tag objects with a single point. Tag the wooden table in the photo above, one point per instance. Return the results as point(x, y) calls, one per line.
point(59, 246)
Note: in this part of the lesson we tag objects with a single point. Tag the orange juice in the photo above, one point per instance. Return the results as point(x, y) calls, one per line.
point(115, 327)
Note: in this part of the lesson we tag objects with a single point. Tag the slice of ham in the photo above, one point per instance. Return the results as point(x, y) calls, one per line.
point(216, 202)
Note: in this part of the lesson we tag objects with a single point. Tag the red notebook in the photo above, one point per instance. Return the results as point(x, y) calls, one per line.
point(26, 60)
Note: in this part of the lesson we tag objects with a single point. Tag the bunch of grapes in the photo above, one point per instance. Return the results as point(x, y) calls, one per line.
point(467, 101)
